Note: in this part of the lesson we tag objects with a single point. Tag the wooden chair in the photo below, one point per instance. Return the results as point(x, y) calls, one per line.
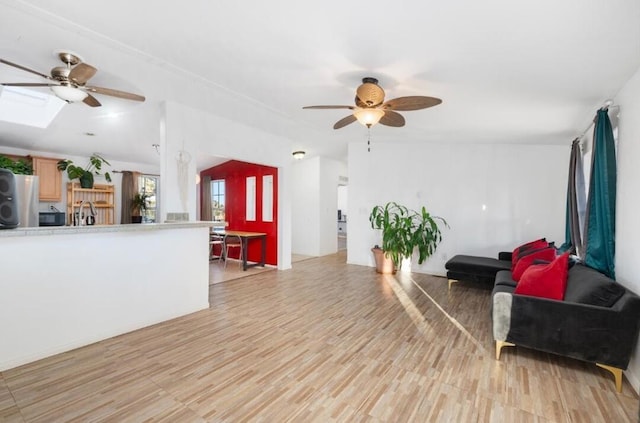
point(232, 241)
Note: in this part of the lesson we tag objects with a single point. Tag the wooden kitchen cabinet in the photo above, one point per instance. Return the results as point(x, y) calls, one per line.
point(50, 178)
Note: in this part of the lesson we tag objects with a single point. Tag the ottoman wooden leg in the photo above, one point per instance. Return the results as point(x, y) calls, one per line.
point(452, 281)
point(617, 375)
point(499, 345)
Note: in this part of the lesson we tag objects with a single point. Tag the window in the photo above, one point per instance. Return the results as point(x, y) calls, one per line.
point(148, 184)
point(251, 198)
point(267, 198)
point(217, 200)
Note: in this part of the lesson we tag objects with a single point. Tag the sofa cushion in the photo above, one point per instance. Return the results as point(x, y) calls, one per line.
point(476, 265)
point(527, 258)
point(532, 245)
point(588, 286)
point(503, 277)
point(545, 280)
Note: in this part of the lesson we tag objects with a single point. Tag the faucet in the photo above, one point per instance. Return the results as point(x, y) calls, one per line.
point(81, 216)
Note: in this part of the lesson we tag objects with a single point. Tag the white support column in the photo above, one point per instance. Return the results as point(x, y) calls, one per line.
point(178, 149)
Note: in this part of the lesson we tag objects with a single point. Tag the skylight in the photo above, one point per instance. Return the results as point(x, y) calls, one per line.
point(28, 107)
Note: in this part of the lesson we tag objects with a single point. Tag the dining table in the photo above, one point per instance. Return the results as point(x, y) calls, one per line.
point(245, 237)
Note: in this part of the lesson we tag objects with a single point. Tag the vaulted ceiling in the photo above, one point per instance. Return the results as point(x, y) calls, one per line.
point(507, 71)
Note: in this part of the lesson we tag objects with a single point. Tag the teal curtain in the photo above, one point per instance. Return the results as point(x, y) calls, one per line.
point(600, 219)
point(576, 202)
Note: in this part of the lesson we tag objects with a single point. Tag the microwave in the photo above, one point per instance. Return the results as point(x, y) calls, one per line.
point(52, 219)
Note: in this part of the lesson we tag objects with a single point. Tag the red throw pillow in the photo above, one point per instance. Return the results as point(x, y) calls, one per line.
point(532, 245)
point(545, 280)
point(528, 258)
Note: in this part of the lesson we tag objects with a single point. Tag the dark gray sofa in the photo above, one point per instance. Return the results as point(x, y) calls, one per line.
point(475, 268)
point(597, 322)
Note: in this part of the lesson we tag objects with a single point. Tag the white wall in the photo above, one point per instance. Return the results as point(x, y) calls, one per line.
point(305, 209)
point(215, 136)
point(343, 198)
point(315, 205)
point(492, 196)
point(628, 200)
point(179, 140)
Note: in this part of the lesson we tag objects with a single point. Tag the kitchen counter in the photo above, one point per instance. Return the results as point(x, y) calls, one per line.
point(65, 287)
point(68, 230)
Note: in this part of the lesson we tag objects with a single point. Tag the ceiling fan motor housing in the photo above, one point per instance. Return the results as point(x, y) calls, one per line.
point(60, 73)
point(370, 93)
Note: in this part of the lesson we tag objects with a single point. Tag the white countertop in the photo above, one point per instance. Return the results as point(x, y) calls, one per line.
point(69, 230)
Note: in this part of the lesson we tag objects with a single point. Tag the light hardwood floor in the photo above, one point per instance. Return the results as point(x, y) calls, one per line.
point(218, 272)
point(324, 341)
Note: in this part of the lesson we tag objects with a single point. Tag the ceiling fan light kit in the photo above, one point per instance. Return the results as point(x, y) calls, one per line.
point(68, 93)
point(371, 108)
point(368, 117)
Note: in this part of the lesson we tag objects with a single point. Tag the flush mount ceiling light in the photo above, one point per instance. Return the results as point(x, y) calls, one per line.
point(69, 93)
point(298, 155)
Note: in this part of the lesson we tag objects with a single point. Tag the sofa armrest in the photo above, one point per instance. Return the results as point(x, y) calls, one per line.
point(505, 255)
point(605, 335)
point(501, 302)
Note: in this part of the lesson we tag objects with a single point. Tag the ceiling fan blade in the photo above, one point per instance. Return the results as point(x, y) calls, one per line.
point(6, 62)
point(91, 101)
point(414, 102)
point(344, 122)
point(329, 107)
point(392, 118)
point(26, 84)
point(114, 93)
point(81, 73)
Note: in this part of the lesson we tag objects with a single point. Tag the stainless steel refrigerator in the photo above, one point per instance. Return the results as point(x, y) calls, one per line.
point(27, 195)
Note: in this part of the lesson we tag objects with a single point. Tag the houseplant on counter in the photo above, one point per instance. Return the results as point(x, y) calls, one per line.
point(19, 166)
point(138, 205)
point(403, 231)
point(85, 174)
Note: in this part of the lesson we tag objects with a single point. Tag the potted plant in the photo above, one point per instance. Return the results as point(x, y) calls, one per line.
point(18, 166)
point(403, 231)
point(85, 174)
point(138, 205)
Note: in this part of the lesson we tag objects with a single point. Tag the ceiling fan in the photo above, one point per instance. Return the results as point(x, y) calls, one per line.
point(371, 108)
point(69, 82)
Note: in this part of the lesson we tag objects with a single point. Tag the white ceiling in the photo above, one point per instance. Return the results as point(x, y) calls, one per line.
point(507, 71)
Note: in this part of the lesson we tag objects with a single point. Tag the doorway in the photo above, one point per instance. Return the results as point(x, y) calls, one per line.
point(343, 193)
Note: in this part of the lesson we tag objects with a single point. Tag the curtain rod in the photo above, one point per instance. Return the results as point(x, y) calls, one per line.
point(143, 173)
point(608, 104)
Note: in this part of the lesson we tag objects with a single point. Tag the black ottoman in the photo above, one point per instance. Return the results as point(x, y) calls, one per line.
point(474, 268)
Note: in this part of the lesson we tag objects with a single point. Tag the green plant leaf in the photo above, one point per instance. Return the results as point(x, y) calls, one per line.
point(94, 166)
point(404, 230)
point(18, 166)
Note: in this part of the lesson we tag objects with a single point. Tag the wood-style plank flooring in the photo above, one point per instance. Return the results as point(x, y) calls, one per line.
point(322, 342)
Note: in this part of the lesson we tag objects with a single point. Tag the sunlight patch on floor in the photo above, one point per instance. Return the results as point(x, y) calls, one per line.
point(417, 317)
